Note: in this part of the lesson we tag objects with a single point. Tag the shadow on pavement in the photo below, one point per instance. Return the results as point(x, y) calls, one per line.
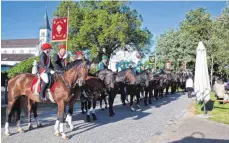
point(199, 140)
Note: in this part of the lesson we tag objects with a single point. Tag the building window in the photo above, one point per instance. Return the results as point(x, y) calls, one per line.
point(22, 51)
point(13, 52)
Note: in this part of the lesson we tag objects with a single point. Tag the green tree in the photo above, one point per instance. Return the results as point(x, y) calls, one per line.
point(103, 26)
point(23, 67)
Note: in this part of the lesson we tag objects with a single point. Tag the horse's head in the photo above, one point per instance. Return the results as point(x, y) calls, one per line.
point(108, 77)
point(82, 73)
point(76, 73)
point(149, 74)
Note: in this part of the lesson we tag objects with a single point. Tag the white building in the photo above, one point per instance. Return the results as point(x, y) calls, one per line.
point(130, 54)
point(14, 51)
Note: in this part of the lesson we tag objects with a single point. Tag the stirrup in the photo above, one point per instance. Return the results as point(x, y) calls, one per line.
point(43, 99)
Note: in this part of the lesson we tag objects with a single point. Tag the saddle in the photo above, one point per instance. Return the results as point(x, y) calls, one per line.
point(36, 85)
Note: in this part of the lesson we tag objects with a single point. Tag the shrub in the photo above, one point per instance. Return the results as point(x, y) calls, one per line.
point(93, 68)
point(23, 67)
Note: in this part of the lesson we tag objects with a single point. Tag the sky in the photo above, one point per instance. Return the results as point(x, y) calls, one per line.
point(21, 20)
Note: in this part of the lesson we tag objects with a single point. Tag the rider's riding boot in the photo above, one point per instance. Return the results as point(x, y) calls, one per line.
point(43, 89)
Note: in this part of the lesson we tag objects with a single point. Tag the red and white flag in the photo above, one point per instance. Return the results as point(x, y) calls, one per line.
point(59, 29)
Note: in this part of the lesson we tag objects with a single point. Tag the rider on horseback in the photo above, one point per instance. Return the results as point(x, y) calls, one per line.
point(44, 68)
point(140, 67)
point(59, 59)
point(121, 66)
point(103, 64)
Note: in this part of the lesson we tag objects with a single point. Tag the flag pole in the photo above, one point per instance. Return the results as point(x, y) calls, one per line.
point(65, 62)
point(67, 30)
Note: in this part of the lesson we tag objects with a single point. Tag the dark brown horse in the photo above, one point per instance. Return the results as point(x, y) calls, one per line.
point(20, 85)
point(114, 81)
point(94, 88)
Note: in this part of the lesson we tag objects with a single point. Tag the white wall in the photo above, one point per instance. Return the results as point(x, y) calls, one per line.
point(29, 50)
point(122, 55)
point(11, 63)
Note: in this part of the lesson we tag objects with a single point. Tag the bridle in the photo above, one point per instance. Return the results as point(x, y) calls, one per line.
point(77, 73)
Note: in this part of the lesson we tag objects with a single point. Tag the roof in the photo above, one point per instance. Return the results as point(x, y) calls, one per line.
point(46, 22)
point(15, 57)
point(19, 43)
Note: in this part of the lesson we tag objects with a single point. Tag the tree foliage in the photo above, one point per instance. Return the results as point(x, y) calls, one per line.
point(103, 26)
point(23, 67)
point(180, 45)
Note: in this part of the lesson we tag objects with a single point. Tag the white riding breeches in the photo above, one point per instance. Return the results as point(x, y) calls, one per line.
point(44, 77)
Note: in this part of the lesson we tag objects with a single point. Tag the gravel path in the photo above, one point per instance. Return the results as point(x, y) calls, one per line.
point(125, 127)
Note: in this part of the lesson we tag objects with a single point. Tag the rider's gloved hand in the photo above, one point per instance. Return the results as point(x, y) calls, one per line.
point(52, 72)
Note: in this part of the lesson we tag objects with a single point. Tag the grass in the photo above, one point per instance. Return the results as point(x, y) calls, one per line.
point(219, 112)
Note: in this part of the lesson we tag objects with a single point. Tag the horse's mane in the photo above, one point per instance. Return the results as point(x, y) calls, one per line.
point(72, 64)
point(122, 73)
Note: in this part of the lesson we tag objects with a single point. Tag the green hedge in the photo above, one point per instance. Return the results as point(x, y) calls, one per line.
point(23, 67)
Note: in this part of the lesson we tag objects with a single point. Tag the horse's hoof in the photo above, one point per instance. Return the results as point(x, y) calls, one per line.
point(88, 118)
point(102, 109)
point(64, 136)
point(94, 117)
point(7, 133)
point(111, 114)
point(132, 109)
point(30, 127)
point(138, 106)
point(83, 112)
point(20, 130)
point(72, 127)
point(57, 133)
point(39, 125)
point(105, 107)
point(124, 104)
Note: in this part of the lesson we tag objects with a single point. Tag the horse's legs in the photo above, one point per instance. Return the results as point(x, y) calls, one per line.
point(35, 115)
point(105, 101)
point(69, 116)
point(150, 95)
point(9, 114)
point(156, 94)
point(167, 90)
point(82, 104)
point(29, 106)
point(93, 111)
point(146, 96)
point(111, 98)
point(88, 110)
point(138, 100)
point(131, 101)
point(123, 98)
point(56, 127)
point(18, 108)
point(61, 107)
point(101, 103)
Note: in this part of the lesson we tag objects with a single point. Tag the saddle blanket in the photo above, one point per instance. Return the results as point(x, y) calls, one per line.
point(35, 88)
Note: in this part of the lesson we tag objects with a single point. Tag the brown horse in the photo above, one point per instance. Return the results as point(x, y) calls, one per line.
point(20, 85)
point(94, 86)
